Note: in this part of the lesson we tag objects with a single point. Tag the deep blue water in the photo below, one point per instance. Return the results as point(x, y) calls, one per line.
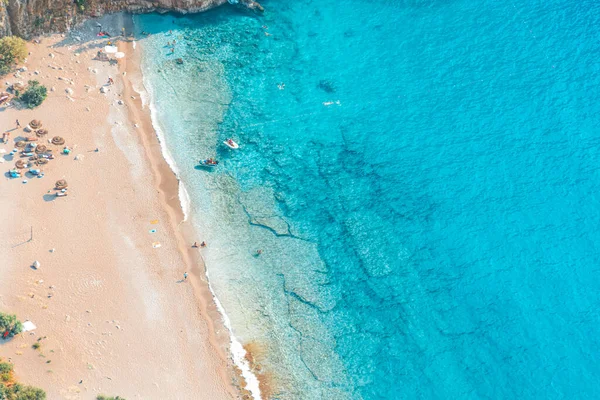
point(433, 235)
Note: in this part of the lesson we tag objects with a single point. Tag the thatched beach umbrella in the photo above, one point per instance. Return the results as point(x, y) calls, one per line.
point(61, 184)
point(40, 149)
point(21, 164)
point(57, 140)
point(35, 124)
point(41, 132)
point(18, 87)
point(41, 161)
point(20, 144)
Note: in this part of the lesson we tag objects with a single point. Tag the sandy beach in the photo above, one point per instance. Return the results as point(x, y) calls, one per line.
point(113, 312)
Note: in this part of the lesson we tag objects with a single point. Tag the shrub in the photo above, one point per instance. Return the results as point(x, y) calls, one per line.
point(15, 391)
point(103, 397)
point(36, 345)
point(20, 392)
point(5, 367)
point(9, 323)
point(12, 51)
point(34, 95)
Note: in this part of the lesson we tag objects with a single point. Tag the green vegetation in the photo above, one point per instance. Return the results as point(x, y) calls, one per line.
point(12, 51)
point(80, 5)
point(36, 345)
point(34, 95)
point(103, 397)
point(9, 326)
point(5, 368)
point(17, 391)
point(11, 390)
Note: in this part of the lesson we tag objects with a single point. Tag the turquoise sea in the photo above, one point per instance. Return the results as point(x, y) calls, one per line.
point(422, 179)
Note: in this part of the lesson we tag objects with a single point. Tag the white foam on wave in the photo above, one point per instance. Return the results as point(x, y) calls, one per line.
point(237, 351)
point(145, 93)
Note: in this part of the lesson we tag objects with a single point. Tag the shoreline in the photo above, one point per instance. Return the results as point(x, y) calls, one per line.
point(168, 185)
point(172, 189)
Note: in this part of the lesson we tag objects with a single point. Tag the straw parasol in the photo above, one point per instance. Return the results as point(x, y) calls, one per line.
point(119, 55)
point(20, 144)
point(18, 87)
point(21, 164)
point(61, 184)
point(35, 124)
point(40, 149)
point(57, 140)
point(41, 132)
point(41, 161)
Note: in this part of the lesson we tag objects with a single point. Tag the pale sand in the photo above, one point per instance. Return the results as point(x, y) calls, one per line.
point(119, 317)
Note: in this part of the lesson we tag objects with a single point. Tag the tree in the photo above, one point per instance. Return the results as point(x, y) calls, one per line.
point(9, 325)
point(34, 95)
point(13, 50)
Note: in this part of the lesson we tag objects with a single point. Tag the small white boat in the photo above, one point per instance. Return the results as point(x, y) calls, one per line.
point(231, 144)
point(209, 163)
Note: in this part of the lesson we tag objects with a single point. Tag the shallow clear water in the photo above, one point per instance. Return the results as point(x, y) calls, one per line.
point(433, 235)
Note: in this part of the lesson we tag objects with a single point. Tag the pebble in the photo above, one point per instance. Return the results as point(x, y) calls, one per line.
point(69, 91)
point(52, 89)
point(23, 69)
point(120, 102)
point(36, 72)
point(103, 89)
point(51, 55)
point(87, 109)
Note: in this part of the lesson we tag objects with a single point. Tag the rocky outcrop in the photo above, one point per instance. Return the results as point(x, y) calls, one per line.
point(27, 18)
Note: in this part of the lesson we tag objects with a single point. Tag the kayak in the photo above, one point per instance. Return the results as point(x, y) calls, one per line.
point(231, 144)
point(209, 163)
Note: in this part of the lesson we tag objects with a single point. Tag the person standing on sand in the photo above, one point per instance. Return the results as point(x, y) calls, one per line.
point(18, 124)
point(185, 275)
